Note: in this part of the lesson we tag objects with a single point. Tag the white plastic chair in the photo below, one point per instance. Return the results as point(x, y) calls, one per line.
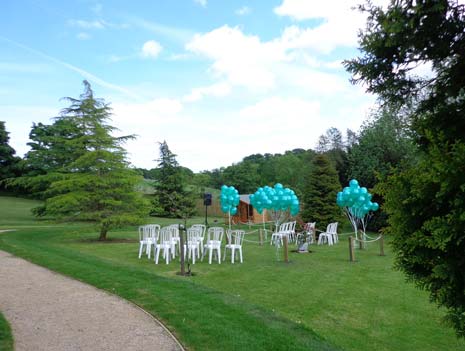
point(147, 237)
point(192, 246)
point(175, 239)
point(283, 230)
point(214, 238)
point(235, 239)
point(333, 231)
point(329, 236)
point(202, 230)
point(164, 243)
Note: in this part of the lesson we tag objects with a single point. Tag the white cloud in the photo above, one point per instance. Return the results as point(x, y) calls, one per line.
point(340, 22)
point(243, 59)
point(96, 24)
point(202, 3)
point(244, 10)
point(83, 36)
point(151, 49)
point(221, 89)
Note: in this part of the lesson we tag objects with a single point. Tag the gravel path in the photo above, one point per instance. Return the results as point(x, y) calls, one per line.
point(48, 311)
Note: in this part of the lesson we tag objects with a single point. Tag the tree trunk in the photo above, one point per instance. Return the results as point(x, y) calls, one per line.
point(103, 234)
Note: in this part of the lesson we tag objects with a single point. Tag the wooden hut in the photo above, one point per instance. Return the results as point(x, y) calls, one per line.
point(246, 213)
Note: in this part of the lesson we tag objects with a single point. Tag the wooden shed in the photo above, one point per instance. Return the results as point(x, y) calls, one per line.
point(246, 213)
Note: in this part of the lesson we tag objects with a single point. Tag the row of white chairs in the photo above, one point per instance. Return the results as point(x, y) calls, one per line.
point(167, 240)
point(286, 229)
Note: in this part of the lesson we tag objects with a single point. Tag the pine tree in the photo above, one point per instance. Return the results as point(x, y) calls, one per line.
point(94, 183)
point(171, 198)
point(8, 160)
point(319, 198)
point(425, 202)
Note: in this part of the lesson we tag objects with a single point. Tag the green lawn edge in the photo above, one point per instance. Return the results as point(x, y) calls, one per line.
point(6, 337)
point(200, 317)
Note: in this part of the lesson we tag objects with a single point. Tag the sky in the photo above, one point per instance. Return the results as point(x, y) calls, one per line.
point(217, 80)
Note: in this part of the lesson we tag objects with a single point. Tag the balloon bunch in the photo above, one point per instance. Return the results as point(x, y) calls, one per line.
point(229, 199)
point(277, 198)
point(357, 204)
point(357, 199)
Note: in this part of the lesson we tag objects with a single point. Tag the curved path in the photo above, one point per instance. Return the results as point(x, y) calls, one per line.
point(48, 311)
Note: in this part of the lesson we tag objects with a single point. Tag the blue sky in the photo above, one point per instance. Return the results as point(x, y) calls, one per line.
point(218, 80)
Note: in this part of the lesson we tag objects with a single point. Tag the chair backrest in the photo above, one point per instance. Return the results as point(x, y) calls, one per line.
point(283, 227)
point(174, 229)
point(292, 226)
point(332, 228)
point(310, 227)
point(215, 233)
point(202, 229)
point(153, 231)
point(165, 235)
point(237, 237)
point(142, 233)
point(193, 234)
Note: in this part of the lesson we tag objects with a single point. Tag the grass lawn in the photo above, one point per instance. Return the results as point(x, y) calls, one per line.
point(6, 339)
point(319, 301)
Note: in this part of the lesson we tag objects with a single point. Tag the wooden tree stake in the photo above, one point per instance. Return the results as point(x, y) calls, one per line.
point(381, 245)
point(351, 249)
point(286, 253)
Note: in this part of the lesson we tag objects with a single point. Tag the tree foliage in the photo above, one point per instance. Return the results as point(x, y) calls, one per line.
point(172, 199)
point(383, 144)
point(8, 160)
point(83, 168)
point(425, 202)
point(319, 195)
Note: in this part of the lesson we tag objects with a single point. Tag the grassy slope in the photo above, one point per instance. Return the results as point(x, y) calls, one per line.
point(261, 304)
point(203, 318)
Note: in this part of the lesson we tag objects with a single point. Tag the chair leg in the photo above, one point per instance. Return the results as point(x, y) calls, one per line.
point(141, 246)
point(232, 254)
point(219, 255)
point(240, 253)
point(210, 252)
point(157, 255)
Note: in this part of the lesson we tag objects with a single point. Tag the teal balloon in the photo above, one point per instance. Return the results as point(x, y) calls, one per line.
point(353, 183)
point(375, 206)
point(233, 211)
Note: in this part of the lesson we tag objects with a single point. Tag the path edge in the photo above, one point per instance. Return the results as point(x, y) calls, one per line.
point(106, 292)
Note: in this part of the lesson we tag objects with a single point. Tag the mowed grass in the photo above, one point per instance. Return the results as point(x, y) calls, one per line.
point(6, 339)
point(318, 301)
